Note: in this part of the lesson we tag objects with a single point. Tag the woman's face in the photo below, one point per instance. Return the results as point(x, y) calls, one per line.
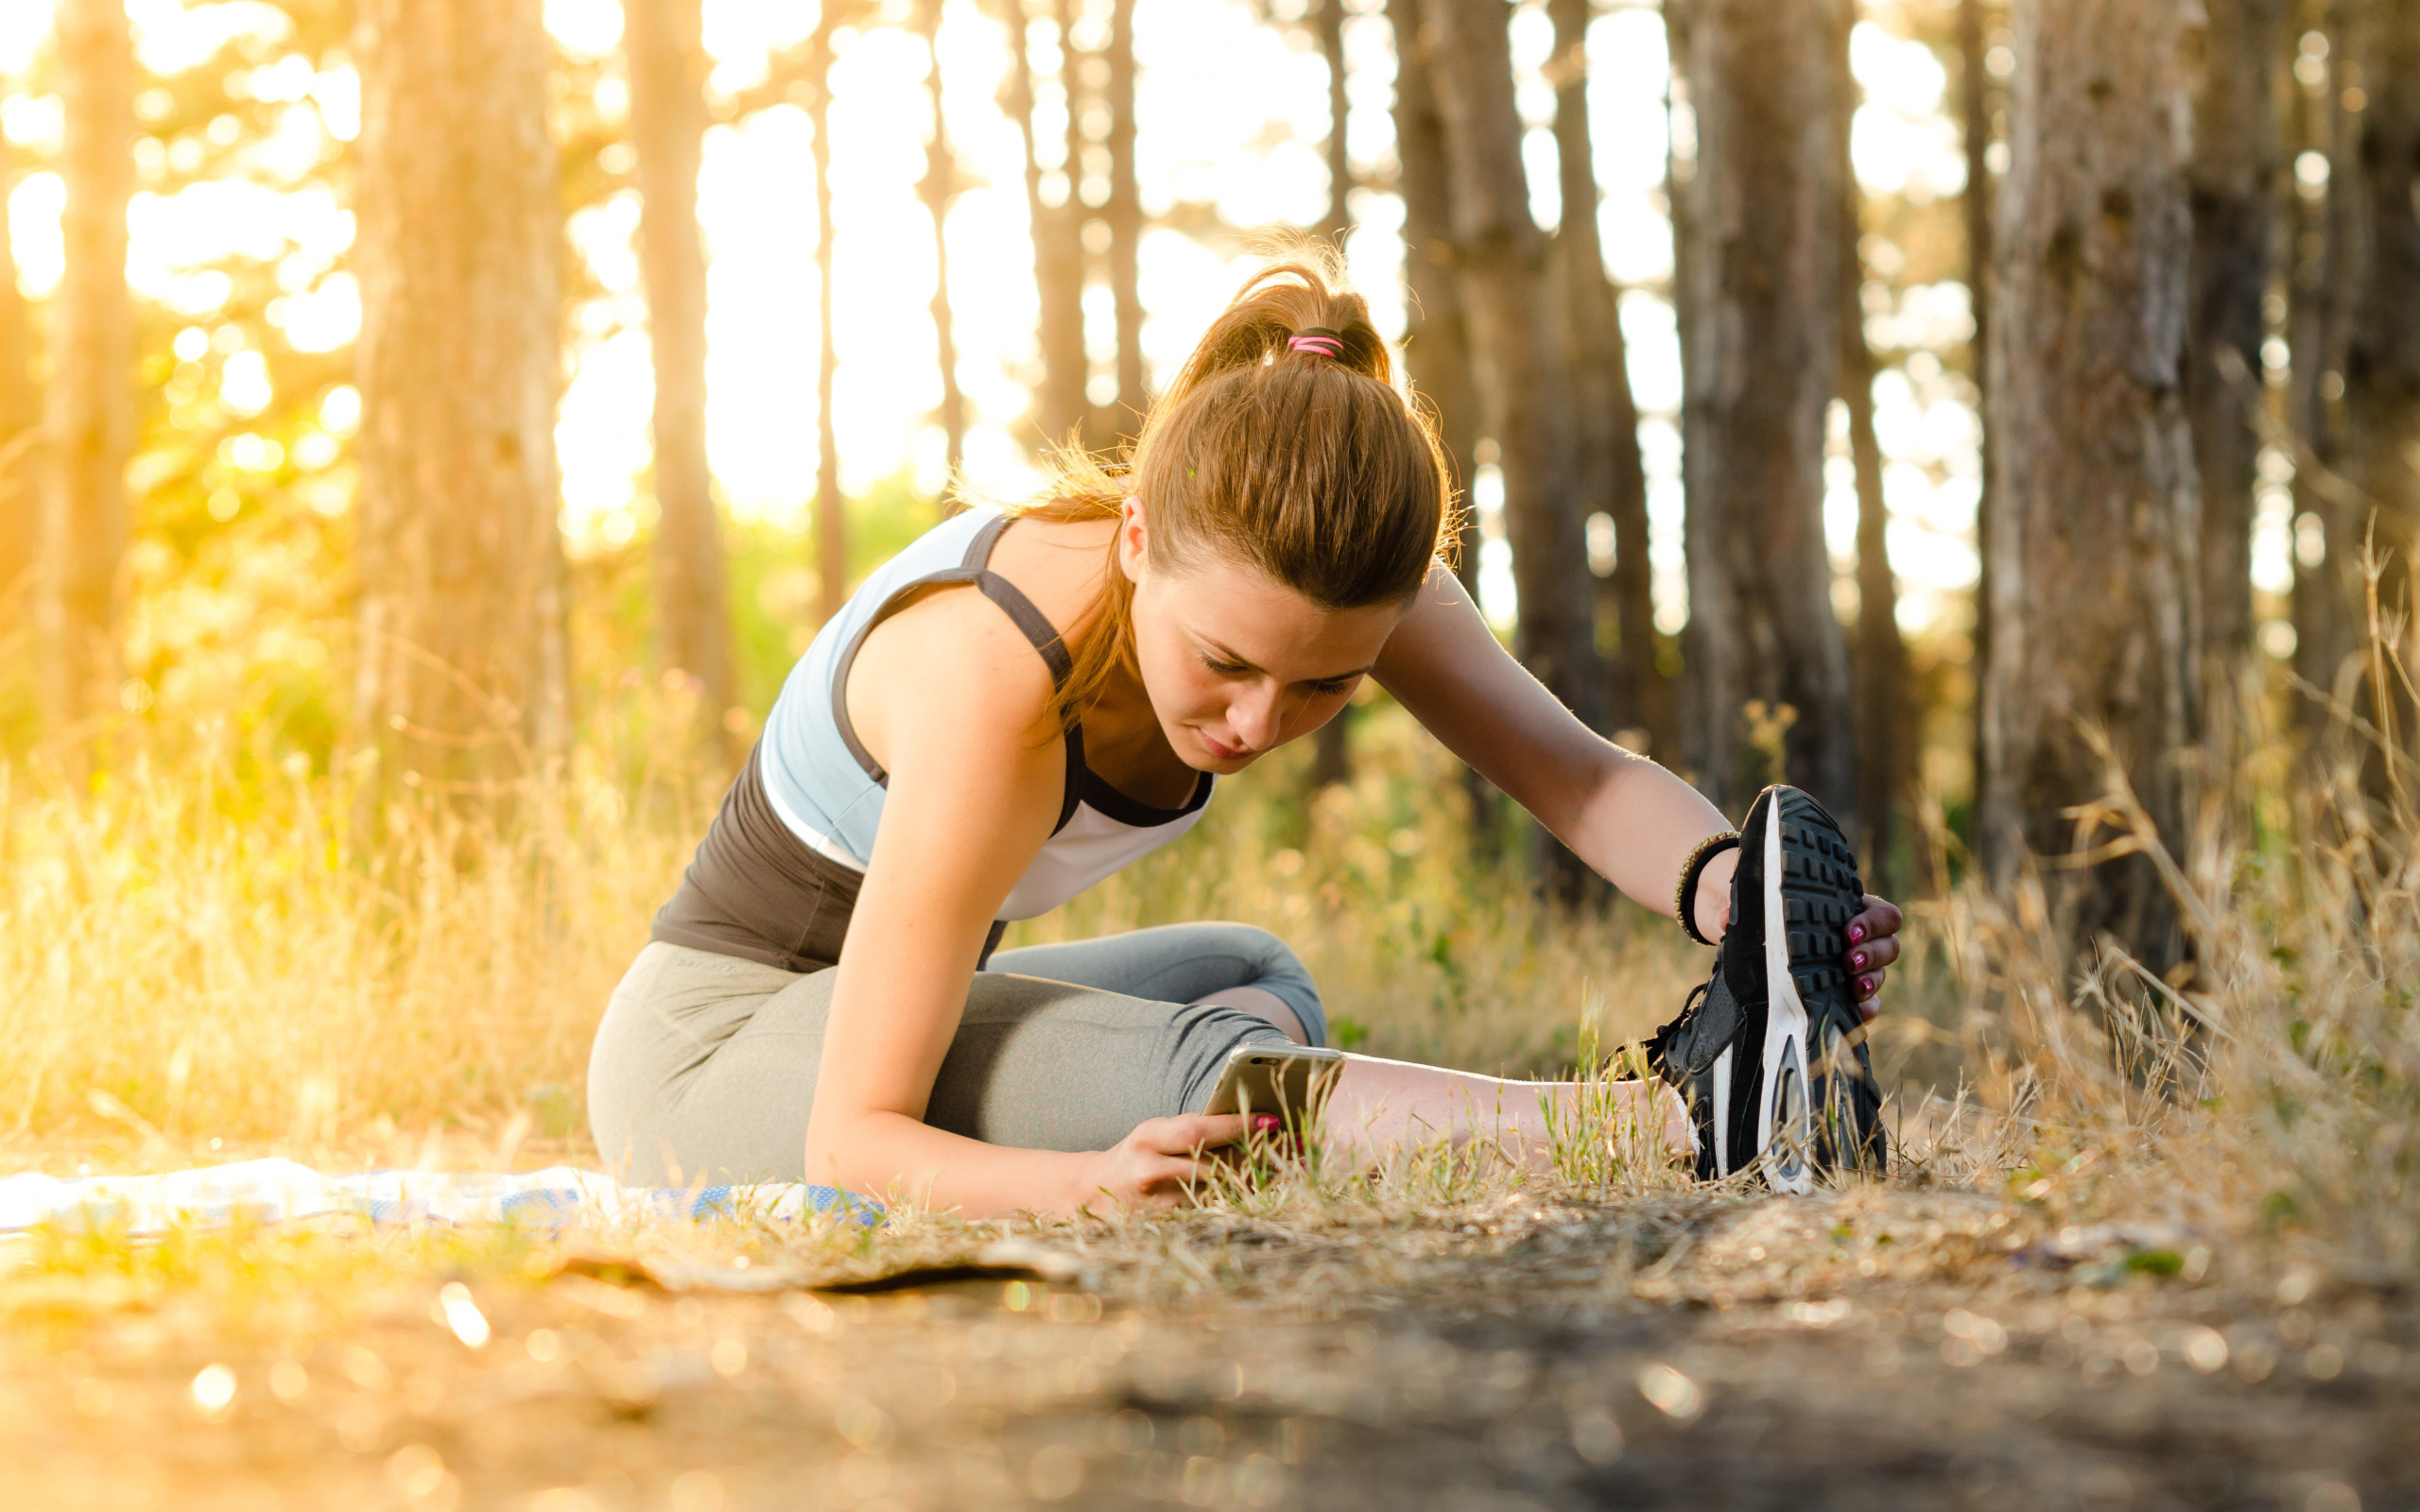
point(1236, 663)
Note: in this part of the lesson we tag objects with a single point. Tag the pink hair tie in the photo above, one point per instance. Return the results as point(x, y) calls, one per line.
point(1316, 338)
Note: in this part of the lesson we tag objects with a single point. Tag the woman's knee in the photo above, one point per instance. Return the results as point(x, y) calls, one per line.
point(1265, 954)
point(1276, 969)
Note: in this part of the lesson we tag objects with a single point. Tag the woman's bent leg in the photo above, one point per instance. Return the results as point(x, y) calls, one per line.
point(669, 1028)
point(704, 1067)
point(1219, 962)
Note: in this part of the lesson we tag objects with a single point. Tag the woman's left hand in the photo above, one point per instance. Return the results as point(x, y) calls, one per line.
point(1872, 946)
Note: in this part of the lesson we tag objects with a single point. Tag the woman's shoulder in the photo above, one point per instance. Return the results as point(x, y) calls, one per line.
point(1056, 563)
point(949, 649)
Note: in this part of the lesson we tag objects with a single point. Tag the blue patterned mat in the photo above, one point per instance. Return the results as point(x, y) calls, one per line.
point(275, 1191)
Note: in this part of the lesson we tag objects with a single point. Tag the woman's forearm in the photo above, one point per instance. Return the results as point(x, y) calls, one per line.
point(1636, 824)
point(892, 1156)
point(1628, 817)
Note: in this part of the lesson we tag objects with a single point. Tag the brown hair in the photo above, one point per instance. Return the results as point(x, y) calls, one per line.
point(1313, 468)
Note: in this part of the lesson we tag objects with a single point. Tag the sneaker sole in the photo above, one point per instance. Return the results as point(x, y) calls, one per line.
point(1811, 892)
point(1784, 1135)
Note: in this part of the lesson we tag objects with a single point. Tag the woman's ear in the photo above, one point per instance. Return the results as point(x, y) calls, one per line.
point(1133, 540)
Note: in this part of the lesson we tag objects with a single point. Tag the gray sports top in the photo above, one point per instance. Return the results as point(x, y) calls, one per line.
point(828, 790)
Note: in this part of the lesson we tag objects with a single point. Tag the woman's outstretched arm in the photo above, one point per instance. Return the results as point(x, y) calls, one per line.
point(1630, 820)
point(1628, 817)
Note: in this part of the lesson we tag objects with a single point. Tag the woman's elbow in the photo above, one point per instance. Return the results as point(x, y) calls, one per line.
point(845, 1147)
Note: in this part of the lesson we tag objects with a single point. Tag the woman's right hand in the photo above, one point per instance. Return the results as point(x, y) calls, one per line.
point(1158, 1164)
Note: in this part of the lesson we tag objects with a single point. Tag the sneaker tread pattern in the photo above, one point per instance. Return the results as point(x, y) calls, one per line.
point(1821, 893)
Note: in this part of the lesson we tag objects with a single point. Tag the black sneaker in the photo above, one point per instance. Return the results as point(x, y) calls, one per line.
point(1769, 1052)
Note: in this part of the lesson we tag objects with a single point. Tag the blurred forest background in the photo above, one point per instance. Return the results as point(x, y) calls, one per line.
point(410, 409)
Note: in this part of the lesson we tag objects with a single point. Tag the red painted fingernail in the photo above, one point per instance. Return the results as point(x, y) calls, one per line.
point(1857, 960)
point(1264, 1121)
point(1856, 933)
point(1865, 985)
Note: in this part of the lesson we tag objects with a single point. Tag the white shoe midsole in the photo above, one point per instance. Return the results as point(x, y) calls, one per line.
point(1722, 1112)
point(1785, 1026)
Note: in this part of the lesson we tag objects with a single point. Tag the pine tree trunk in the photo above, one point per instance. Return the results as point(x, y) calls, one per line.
point(1763, 277)
point(1880, 656)
point(1437, 341)
point(1679, 170)
point(1123, 215)
point(2095, 523)
point(1331, 747)
point(462, 676)
point(89, 422)
point(20, 432)
point(831, 509)
point(1517, 352)
point(1328, 17)
point(940, 190)
point(1885, 735)
point(2237, 153)
point(1613, 475)
point(1975, 111)
point(2331, 259)
point(667, 66)
point(1437, 337)
point(2381, 414)
point(1058, 239)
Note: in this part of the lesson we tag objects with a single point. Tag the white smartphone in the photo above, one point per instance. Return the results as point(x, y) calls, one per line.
point(1289, 1080)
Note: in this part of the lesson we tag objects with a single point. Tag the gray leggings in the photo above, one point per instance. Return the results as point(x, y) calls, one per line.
point(704, 1066)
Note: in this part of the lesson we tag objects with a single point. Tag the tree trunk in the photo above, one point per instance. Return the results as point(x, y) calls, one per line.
point(1678, 171)
point(90, 415)
point(462, 678)
point(1763, 277)
point(1517, 352)
point(1974, 108)
point(667, 65)
point(1437, 340)
point(1612, 474)
point(1885, 735)
point(1123, 213)
point(2331, 259)
point(2236, 151)
point(1879, 657)
point(1058, 239)
point(20, 432)
point(940, 190)
point(2382, 355)
point(831, 510)
point(2095, 530)
point(1329, 18)
point(1331, 747)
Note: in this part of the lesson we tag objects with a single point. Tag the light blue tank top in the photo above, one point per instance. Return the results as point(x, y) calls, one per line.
point(828, 790)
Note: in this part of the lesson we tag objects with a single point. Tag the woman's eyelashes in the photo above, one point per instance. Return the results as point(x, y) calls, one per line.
point(1326, 688)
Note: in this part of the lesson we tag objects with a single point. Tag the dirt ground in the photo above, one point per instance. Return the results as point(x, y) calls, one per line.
point(1874, 1348)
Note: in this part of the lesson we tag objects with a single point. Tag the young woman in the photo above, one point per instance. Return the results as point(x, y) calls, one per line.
point(1019, 704)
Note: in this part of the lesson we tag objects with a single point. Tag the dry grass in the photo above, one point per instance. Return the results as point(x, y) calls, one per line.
point(2096, 1173)
point(191, 955)
point(188, 956)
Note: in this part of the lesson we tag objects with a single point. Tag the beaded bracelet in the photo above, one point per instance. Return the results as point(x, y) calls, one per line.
point(1709, 848)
